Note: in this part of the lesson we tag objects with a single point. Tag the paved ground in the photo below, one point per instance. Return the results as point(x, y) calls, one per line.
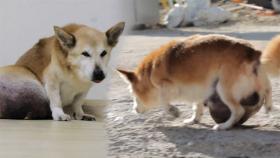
point(158, 135)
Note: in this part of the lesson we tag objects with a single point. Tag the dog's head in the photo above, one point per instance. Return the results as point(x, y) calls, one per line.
point(87, 50)
point(145, 95)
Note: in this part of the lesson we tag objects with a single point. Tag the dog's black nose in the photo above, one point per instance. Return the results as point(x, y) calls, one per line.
point(98, 75)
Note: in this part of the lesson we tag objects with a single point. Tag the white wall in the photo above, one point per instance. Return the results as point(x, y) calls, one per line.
point(23, 22)
point(146, 11)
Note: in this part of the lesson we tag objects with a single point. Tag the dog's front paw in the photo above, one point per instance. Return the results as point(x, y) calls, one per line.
point(174, 111)
point(59, 115)
point(85, 117)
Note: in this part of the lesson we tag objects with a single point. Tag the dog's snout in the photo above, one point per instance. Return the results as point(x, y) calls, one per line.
point(98, 75)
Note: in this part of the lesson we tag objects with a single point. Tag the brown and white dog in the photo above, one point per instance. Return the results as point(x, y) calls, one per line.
point(66, 65)
point(194, 70)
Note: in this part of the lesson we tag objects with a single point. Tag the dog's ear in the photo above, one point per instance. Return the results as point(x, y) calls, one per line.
point(67, 40)
point(114, 33)
point(129, 75)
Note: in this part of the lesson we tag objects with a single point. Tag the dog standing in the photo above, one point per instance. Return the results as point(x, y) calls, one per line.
point(66, 65)
point(195, 69)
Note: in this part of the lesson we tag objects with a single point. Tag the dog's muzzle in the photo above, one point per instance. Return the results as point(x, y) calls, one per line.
point(98, 75)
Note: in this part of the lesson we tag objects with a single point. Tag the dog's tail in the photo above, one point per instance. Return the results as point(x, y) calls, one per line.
point(270, 58)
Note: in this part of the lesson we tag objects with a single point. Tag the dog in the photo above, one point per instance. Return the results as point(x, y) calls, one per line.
point(59, 71)
point(270, 58)
point(195, 69)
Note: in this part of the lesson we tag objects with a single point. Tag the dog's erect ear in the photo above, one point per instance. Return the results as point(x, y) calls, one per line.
point(129, 75)
point(66, 39)
point(114, 33)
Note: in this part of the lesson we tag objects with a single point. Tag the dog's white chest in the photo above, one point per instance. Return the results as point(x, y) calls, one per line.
point(67, 95)
point(68, 92)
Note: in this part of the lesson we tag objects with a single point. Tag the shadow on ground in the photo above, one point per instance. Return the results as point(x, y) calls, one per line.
point(261, 143)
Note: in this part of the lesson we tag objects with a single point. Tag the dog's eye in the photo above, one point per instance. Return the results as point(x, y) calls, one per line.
point(86, 54)
point(103, 53)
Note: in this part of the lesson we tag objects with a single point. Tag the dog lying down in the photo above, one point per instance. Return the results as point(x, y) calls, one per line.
point(204, 69)
point(56, 72)
point(21, 95)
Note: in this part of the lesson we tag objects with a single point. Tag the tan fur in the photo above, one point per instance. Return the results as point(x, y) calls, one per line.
point(188, 69)
point(23, 72)
point(38, 58)
point(271, 57)
point(169, 64)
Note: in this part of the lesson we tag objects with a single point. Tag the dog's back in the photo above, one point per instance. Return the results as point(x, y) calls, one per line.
point(38, 57)
point(200, 56)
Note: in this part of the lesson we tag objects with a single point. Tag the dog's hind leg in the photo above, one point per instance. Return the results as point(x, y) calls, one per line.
point(237, 111)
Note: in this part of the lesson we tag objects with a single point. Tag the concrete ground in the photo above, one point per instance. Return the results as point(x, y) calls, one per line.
point(158, 135)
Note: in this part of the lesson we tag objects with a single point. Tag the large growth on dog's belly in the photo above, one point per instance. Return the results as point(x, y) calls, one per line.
point(22, 98)
point(221, 113)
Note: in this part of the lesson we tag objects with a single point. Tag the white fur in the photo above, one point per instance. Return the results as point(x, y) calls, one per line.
point(87, 64)
point(58, 114)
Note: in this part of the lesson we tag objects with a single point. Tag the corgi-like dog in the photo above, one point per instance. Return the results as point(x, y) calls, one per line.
point(66, 65)
point(193, 70)
point(270, 58)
